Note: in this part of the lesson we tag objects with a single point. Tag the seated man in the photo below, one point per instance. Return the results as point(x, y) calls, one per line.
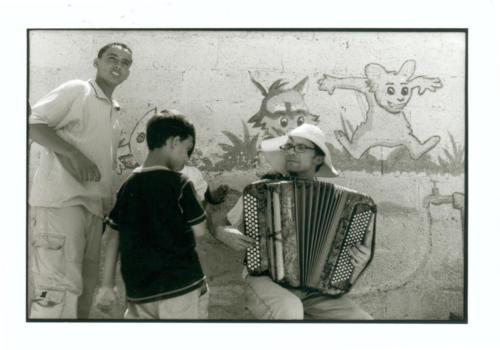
point(303, 154)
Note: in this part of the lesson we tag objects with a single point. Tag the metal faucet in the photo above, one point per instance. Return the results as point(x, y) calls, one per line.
point(435, 198)
point(457, 200)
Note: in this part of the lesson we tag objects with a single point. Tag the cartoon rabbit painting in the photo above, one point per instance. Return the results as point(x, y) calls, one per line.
point(387, 94)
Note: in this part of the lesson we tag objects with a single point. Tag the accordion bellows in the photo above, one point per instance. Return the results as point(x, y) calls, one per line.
point(304, 230)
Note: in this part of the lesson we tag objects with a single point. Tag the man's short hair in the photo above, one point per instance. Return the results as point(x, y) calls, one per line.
point(105, 47)
point(164, 125)
point(318, 152)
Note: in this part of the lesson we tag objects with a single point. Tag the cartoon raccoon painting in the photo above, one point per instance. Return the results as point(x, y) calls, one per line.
point(281, 109)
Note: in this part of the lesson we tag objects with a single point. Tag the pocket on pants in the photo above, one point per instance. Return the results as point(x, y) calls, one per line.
point(47, 297)
point(48, 254)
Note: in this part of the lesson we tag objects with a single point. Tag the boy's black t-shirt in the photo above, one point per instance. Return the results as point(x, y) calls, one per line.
point(154, 212)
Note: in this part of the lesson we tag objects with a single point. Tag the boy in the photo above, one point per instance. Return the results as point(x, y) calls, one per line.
point(203, 192)
point(72, 188)
point(154, 224)
point(303, 154)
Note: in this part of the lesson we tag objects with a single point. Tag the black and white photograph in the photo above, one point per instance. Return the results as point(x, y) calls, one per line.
point(220, 174)
point(379, 116)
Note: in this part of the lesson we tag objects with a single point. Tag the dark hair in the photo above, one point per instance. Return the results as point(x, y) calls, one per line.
point(105, 47)
point(164, 125)
point(318, 152)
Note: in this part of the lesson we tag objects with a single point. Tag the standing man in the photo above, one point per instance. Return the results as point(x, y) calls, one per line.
point(72, 189)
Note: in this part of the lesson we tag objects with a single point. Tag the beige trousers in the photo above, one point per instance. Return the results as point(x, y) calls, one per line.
point(64, 262)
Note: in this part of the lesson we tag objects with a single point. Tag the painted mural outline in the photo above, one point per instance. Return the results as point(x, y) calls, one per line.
point(133, 150)
point(282, 109)
point(387, 94)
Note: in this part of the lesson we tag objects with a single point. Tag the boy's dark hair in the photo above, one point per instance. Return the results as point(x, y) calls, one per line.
point(105, 47)
point(164, 125)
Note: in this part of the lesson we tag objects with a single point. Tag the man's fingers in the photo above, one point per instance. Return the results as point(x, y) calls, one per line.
point(363, 249)
point(105, 308)
point(243, 243)
point(80, 174)
point(86, 169)
point(68, 166)
point(97, 174)
point(248, 239)
point(358, 251)
point(88, 175)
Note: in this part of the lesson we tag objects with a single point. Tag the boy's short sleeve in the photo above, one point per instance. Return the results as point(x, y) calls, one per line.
point(54, 108)
point(113, 218)
point(235, 215)
point(191, 208)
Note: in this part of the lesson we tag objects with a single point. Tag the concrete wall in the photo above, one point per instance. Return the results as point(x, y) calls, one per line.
point(417, 271)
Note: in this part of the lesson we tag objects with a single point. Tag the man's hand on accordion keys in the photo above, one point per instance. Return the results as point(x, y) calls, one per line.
point(360, 254)
point(233, 238)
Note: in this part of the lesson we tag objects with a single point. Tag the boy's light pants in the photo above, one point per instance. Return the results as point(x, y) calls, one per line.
point(65, 261)
point(189, 306)
point(267, 300)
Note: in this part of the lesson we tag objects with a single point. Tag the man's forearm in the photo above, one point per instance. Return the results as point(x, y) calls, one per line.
point(216, 224)
point(110, 258)
point(199, 229)
point(47, 137)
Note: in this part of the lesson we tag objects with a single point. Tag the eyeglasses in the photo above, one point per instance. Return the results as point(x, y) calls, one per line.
point(299, 148)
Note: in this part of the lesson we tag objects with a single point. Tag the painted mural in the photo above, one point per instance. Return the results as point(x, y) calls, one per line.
point(132, 146)
point(282, 109)
point(387, 94)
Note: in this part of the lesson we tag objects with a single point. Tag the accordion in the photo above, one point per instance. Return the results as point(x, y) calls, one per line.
point(303, 231)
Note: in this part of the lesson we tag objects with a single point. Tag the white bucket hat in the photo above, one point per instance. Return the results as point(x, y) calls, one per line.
point(276, 157)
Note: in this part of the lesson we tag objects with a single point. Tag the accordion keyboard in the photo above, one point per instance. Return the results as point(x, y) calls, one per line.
point(355, 234)
point(252, 230)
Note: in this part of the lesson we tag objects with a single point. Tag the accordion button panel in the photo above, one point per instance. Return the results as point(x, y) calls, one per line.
point(252, 230)
point(355, 235)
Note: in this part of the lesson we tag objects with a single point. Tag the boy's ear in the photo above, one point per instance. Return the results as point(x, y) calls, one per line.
point(177, 140)
point(95, 62)
point(169, 142)
point(173, 141)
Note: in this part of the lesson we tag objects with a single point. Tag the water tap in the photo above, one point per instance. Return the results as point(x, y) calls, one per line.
point(435, 198)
